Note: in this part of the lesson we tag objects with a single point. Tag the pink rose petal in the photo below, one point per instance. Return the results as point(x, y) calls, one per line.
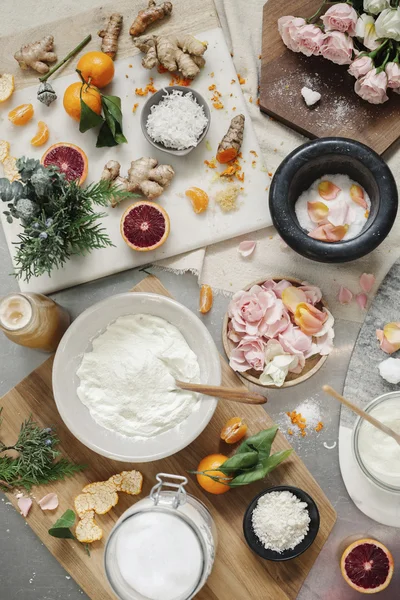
point(340, 215)
point(357, 195)
point(367, 281)
point(317, 211)
point(312, 292)
point(362, 300)
point(48, 502)
point(246, 248)
point(345, 296)
point(24, 505)
point(328, 190)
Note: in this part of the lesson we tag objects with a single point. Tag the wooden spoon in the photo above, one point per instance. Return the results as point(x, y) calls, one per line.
point(361, 413)
point(225, 393)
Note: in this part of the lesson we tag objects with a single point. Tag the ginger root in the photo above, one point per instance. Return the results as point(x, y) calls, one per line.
point(145, 177)
point(183, 53)
point(110, 35)
point(149, 15)
point(36, 55)
point(230, 144)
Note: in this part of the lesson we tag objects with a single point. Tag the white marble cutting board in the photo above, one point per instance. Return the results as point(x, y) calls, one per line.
point(188, 230)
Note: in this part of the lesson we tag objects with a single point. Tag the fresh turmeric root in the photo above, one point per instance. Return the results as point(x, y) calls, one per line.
point(230, 145)
point(36, 55)
point(110, 35)
point(182, 53)
point(148, 16)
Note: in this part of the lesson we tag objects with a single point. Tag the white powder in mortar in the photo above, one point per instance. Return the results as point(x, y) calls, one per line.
point(127, 381)
point(357, 215)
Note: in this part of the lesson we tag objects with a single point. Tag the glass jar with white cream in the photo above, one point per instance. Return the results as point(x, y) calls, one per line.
point(163, 547)
point(377, 454)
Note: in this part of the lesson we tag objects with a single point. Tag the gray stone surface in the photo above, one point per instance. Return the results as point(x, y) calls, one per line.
point(363, 382)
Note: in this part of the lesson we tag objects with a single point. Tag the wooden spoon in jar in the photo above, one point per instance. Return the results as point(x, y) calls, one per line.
point(361, 413)
point(225, 393)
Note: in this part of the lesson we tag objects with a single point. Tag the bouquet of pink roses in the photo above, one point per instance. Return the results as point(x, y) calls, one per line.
point(364, 34)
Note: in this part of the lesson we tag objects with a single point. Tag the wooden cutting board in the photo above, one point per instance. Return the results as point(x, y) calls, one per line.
point(238, 573)
point(340, 111)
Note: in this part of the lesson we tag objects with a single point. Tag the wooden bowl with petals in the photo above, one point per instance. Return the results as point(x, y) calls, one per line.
point(312, 365)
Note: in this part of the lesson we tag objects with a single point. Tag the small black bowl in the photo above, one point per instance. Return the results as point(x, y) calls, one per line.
point(255, 544)
point(326, 156)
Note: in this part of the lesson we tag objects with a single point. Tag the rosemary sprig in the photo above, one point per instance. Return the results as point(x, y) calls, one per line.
point(36, 461)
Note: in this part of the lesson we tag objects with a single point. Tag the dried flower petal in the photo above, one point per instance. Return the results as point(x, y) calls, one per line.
point(309, 319)
point(362, 300)
point(49, 502)
point(246, 248)
point(367, 281)
point(329, 233)
point(357, 195)
point(292, 296)
point(340, 214)
point(389, 337)
point(317, 211)
point(24, 505)
point(345, 296)
point(328, 190)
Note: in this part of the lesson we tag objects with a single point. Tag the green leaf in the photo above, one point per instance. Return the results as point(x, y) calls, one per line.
point(105, 138)
point(113, 116)
point(263, 468)
point(261, 442)
point(61, 528)
point(112, 104)
point(89, 118)
point(238, 462)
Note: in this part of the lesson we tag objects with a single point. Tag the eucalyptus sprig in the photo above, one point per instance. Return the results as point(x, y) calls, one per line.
point(251, 462)
point(36, 462)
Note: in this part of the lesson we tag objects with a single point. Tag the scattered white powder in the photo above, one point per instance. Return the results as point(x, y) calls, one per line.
point(310, 97)
point(280, 521)
point(342, 210)
point(127, 381)
point(177, 121)
point(389, 369)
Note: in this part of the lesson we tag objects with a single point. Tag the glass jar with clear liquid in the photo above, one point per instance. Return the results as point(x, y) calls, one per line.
point(163, 547)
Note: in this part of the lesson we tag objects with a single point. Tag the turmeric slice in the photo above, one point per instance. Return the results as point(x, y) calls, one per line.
point(231, 143)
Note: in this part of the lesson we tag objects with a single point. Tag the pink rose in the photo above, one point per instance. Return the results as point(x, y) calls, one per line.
point(247, 310)
point(340, 17)
point(310, 39)
point(248, 354)
point(288, 28)
point(393, 74)
point(337, 47)
point(372, 87)
point(277, 288)
point(361, 66)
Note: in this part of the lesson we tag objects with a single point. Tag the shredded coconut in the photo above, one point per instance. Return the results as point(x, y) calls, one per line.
point(280, 521)
point(177, 121)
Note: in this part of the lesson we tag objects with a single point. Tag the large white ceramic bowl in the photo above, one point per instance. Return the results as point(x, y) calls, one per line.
point(78, 340)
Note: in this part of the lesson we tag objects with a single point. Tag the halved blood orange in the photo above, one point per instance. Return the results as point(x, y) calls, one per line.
point(145, 226)
point(70, 159)
point(367, 566)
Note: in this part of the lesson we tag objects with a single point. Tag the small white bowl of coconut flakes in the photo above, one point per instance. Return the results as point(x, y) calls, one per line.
point(175, 120)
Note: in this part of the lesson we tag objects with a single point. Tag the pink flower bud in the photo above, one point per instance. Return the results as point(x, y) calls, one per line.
point(340, 17)
point(372, 87)
point(361, 66)
point(337, 47)
point(393, 74)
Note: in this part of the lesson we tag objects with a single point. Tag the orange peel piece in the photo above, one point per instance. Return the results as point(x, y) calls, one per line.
point(357, 195)
point(309, 318)
point(328, 190)
point(4, 150)
point(100, 502)
point(10, 168)
point(317, 211)
point(292, 297)
point(87, 531)
point(7, 86)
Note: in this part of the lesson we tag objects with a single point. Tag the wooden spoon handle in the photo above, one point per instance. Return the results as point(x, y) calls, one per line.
point(362, 413)
point(226, 393)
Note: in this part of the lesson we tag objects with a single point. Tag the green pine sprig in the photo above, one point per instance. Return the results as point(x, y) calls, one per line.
point(36, 463)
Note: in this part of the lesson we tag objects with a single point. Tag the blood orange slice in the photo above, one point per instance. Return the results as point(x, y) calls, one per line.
point(367, 566)
point(70, 159)
point(145, 226)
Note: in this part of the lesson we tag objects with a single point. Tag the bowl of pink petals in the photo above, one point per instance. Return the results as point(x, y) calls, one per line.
point(278, 332)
